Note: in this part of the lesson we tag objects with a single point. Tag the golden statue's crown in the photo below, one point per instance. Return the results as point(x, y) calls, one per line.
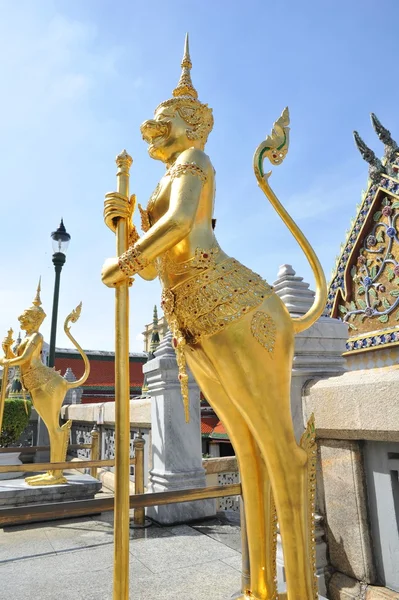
point(185, 86)
point(185, 98)
point(37, 300)
point(36, 307)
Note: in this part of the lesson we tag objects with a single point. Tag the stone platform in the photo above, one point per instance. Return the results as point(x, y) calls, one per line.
point(73, 559)
point(15, 492)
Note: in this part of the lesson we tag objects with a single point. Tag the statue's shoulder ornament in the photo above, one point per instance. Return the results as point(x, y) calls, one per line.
point(194, 162)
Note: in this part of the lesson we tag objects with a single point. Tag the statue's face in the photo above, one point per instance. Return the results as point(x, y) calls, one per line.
point(30, 320)
point(25, 320)
point(166, 134)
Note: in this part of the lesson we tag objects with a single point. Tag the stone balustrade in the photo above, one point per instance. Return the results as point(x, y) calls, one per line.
point(84, 416)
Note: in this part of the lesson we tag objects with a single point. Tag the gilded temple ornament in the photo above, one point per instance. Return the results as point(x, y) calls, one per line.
point(231, 328)
point(364, 291)
point(47, 388)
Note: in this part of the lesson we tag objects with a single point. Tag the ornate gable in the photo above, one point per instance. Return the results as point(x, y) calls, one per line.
point(364, 290)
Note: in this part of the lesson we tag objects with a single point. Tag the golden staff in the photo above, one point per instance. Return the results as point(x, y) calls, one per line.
point(7, 343)
point(122, 391)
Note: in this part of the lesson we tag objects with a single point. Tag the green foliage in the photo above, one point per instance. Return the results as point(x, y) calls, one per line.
point(380, 237)
point(361, 304)
point(390, 273)
point(15, 420)
point(377, 215)
point(383, 318)
point(385, 303)
point(342, 309)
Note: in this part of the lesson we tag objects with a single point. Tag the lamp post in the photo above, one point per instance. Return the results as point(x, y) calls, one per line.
point(60, 239)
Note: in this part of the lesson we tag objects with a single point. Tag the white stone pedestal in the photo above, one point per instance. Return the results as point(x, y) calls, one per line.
point(176, 445)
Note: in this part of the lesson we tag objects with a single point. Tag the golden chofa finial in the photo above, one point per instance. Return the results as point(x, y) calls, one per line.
point(37, 301)
point(185, 86)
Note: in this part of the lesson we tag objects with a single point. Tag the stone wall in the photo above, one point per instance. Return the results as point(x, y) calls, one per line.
point(357, 424)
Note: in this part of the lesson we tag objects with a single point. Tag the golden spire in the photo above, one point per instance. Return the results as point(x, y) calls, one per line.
point(37, 301)
point(185, 86)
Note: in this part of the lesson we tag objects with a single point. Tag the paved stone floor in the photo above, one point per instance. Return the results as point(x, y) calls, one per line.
point(72, 559)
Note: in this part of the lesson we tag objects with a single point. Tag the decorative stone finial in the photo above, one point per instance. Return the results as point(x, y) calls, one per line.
point(17, 343)
point(293, 291)
point(165, 348)
point(155, 339)
point(69, 375)
point(73, 396)
point(376, 167)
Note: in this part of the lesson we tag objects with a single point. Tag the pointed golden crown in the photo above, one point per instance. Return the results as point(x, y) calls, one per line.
point(36, 308)
point(185, 98)
point(37, 301)
point(185, 86)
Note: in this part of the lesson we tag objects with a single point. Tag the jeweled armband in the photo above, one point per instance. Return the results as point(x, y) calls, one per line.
point(183, 168)
point(132, 261)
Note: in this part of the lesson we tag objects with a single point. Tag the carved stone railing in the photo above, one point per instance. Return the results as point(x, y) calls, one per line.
point(223, 471)
point(84, 416)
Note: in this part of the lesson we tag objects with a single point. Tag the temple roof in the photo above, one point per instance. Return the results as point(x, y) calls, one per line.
point(364, 289)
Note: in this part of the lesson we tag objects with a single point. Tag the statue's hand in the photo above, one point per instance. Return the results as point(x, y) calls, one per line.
point(111, 274)
point(7, 348)
point(117, 206)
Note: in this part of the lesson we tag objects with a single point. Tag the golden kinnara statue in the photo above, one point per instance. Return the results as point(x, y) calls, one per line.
point(233, 331)
point(46, 387)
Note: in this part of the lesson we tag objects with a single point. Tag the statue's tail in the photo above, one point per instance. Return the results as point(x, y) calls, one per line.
point(275, 148)
point(72, 318)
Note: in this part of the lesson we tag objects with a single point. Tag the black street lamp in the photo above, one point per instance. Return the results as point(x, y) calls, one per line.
point(60, 244)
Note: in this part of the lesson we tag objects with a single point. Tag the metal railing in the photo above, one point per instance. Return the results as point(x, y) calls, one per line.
point(18, 515)
point(94, 447)
point(94, 463)
point(79, 508)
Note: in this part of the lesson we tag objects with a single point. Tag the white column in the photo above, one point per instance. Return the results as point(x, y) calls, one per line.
point(176, 445)
point(72, 396)
point(318, 350)
point(318, 353)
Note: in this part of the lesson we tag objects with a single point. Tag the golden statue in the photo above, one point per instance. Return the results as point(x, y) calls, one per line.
point(46, 386)
point(233, 331)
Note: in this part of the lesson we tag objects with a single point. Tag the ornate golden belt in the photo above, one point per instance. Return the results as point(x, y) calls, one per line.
point(37, 377)
point(212, 299)
point(209, 301)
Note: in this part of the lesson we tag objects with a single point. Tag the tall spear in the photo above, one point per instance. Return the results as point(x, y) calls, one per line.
point(7, 343)
point(122, 395)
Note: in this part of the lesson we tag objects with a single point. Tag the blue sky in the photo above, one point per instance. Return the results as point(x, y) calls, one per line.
point(78, 78)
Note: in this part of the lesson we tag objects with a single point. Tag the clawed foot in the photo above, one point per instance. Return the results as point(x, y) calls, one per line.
point(46, 479)
point(36, 477)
